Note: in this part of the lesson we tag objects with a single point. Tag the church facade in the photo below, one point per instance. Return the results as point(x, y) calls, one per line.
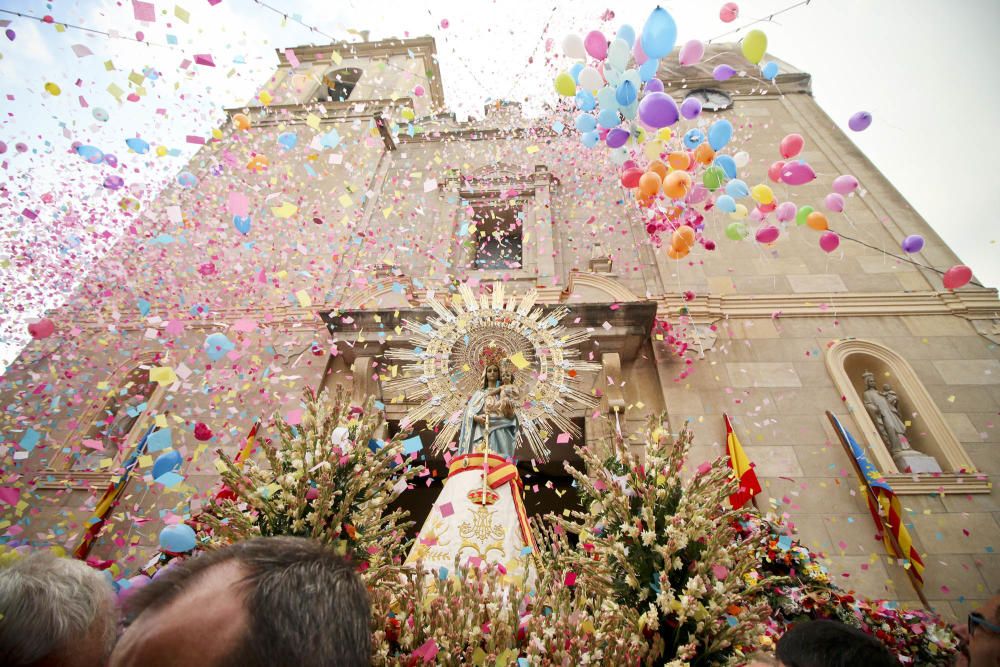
point(344, 195)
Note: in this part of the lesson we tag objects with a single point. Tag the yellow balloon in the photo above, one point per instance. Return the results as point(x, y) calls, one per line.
point(161, 151)
point(664, 134)
point(565, 85)
point(52, 89)
point(640, 134)
point(762, 194)
point(216, 133)
point(739, 213)
point(408, 114)
point(754, 46)
point(652, 149)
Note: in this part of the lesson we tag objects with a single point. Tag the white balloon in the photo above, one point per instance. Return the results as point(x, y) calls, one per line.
point(741, 159)
point(618, 54)
point(573, 46)
point(619, 155)
point(590, 78)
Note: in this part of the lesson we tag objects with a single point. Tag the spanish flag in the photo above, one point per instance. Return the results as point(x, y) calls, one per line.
point(247, 450)
point(742, 468)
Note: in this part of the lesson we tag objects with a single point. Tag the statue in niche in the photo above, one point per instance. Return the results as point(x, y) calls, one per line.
point(883, 408)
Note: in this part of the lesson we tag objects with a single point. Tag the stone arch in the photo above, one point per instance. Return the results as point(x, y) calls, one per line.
point(927, 430)
point(595, 288)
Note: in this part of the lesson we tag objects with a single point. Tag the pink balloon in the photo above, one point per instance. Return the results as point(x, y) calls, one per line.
point(834, 202)
point(957, 276)
point(797, 173)
point(596, 44)
point(637, 53)
point(791, 145)
point(767, 234)
point(691, 53)
point(786, 211)
point(697, 194)
point(43, 328)
point(729, 12)
point(845, 184)
point(756, 215)
point(774, 171)
point(829, 241)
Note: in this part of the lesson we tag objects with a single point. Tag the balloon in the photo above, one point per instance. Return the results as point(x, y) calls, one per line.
point(574, 72)
point(803, 215)
point(726, 203)
point(737, 231)
point(767, 234)
point(697, 194)
point(590, 78)
point(713, 178)
point(618, 54)
point(137, 145)
point(187, 179)
point(723, 72)
point(258, 163)
point(630, 179)
point(241, 121)
point(242, 224)
point(289, 139)
point(664, 134)
point(762, 194)
point(585, 100)
point(565, 85)
point(845, 184)
point(728, 165)
point(608, 118)
point(791, 145)
point(649, 183)
point(860, 121)
point(674, 253)
point(626, 93)
point(774, 171)
point(590, 139)
point(167, 462)
point(834, 202)
point(829, 241)
point(785, 211)
point(679, 160)
point(913, 243)
point(658, 168)
point(797, 173)
point(659, 34)
point(177, 539)
point(691, 107)
point(769, 71)
point(573, 46)
point(626, 33)
point(683, 237)
point(741, 159)
point(217, 345)
point(585, 122)
point(101, 114)
point(596, 44)
point(677, 184)
point(637, 53)
point(617, 137)
point(91, 154)
point(957, 276)
point(658, 110)
point(113, 182)
point(737, 189)
point(653, 86)
point(648, 70)
point(43, 328)
point(754, 46)
point(111, 160)
point(52, 89)
point(705, 155)
point(729, 12)
point(817, 221)
point(720, 133)
point(606, 98)
point(693, 137)
point(653, 149)
point(691, 53)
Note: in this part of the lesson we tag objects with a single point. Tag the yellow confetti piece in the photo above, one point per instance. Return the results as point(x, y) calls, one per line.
point(265, 98)
point(136, 78)
point(181, 13)
point(312, 120)
point(336, 58)
point(519, 361)
point(304, 299)
point(116, 91)
point(109, 65)
point(161, 421)
point(286, 210)
point(145, 461)
point(345, 200)
point(532, 149)
point(162, 374)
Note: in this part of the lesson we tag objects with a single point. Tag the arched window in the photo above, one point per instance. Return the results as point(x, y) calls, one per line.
point(338, 84)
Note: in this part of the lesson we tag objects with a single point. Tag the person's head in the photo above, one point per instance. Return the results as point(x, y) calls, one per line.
point(984, 634)
point(869, 379)
point(507, 375)
point(491, 375)
point(265, 601)
point(831, 644)
point(55, 611)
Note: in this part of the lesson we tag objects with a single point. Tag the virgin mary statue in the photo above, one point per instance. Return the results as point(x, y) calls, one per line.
point(479, 516)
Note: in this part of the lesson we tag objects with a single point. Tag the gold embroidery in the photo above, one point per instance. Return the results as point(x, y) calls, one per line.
point(482, 527)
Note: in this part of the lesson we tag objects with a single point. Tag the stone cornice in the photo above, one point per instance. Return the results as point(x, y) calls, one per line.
point(328, 112)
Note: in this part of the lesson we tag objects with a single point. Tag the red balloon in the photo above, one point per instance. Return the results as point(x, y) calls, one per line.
point(630, 179)
point(202, 432)
point(791, 145)
point(774, 171)
point(957, 276)
point(44, 328)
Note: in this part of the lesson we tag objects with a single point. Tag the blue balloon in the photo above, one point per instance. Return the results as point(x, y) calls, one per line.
point(728, 165)
point(627, 33)
point(719, 134)
point(178, 539)
point(288, 140)
point(585, 122)
point(648, 69)
point(217, 345)
point(726, 203)
point(242, 224)
point(630, 111)
point(608, 118)
point(167, 462)
point(585, 100)
point(187, 179)
point(91, 154)
point(659, 34)
point(626, 93)
point(138, 145)
point(693, 137)
point(606, 98)
point(737, 189)
point(590, 139)
point(769, 71)
point(575, 70)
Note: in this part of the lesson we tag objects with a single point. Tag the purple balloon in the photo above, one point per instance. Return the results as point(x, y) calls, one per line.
point(697, 194)
point(797, 173)
point(834, 202)
point(658, 110)
point(690, 108)
point(723, 72)
point(110, 159)
point(860, 121)
point(786, 211)
point(913, 243)
point(617, 138)
point(654, 86)
point(113, 182)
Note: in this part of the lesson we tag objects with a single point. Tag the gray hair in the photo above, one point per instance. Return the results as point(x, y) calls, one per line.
point(48, 605)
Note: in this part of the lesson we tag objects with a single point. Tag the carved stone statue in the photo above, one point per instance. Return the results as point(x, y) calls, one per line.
point(883, 408)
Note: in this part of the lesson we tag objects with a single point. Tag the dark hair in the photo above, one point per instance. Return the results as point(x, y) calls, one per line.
point(305, 605)
point(827, 643)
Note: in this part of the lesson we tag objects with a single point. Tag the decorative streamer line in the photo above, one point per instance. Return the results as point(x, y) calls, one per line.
point(94, 31)
point(768, 19)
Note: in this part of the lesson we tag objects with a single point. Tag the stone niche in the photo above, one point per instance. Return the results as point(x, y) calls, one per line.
point(927, 432)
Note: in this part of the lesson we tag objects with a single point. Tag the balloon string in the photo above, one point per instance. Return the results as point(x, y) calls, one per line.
point(903, 259)
point(768, 19)
point(73, 26)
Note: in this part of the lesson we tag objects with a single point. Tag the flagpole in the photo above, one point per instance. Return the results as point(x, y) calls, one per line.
point(887, 531)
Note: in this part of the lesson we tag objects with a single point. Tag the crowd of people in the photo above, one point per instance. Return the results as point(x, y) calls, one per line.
point(292, 601)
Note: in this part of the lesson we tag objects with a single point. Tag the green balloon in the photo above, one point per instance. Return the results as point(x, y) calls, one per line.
point(800, 217)
point(713, 178)
point(737, 231)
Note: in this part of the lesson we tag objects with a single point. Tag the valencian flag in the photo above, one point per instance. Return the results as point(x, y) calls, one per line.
point(888, 512)
point(110, 498)
point(741, 467)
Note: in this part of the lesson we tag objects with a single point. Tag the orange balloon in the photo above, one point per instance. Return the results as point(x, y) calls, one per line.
point(658, 168)
point(241, 121)
point(644, 200)
point(649, 183)
point(674, 253)
point(258, 162)
point(684, 237)
point(704, 153)
point(679, 160)
point(677, 184)
point(817, 221)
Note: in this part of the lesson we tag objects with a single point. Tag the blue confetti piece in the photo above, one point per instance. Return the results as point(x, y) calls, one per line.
point(158, 440)
point(143, 307)
point(169, 479)
point(558, 127)
point(412, 445)
point(785, 542)
point(30, 439)
point(443, 573)
point(526, 550)
point(731, 621)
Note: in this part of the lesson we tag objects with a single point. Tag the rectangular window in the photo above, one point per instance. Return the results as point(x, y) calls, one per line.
point(498, 235)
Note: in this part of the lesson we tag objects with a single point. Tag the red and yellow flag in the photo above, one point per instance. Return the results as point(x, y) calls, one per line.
point(742, 469)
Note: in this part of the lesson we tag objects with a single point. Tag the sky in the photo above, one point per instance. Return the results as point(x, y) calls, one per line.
point(923, 70)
